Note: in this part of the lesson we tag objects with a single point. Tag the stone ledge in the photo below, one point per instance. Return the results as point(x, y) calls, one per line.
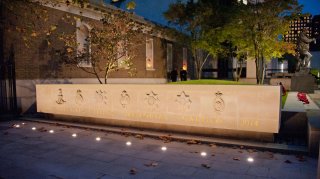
point(313, 131)
point(275, 147)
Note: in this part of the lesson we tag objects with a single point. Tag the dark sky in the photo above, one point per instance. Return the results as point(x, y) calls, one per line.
point(153, 9)
point(311, 6)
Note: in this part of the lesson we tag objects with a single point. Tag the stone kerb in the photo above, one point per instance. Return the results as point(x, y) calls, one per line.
point(242, 108)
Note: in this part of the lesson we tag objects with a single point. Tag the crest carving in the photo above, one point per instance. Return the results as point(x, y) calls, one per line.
point(60, 99)
point(184, 100)
point(218, 102)
point(152, 99)
point(124, 99)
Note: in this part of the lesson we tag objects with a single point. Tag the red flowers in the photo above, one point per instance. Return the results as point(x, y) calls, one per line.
point(303, 97)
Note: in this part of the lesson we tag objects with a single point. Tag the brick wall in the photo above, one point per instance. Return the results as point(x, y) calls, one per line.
point(42, 61)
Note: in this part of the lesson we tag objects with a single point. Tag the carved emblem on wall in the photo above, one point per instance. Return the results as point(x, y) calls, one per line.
point(184, 100)
point(101, 96)
point(79, 97)
point(124, 99)
point(60, 97)
point(152, 99)
point(218, 102)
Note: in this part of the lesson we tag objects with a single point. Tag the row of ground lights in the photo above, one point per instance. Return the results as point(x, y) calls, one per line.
point(128, 143)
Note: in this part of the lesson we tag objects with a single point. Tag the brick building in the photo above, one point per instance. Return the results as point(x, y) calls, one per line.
point(39, 63)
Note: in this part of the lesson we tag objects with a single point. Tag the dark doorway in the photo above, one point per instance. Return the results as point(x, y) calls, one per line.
point(222, 68)
point(8, 98)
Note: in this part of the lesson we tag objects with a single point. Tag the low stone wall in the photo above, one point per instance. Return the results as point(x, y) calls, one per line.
point(239, 108)
point(286, 82)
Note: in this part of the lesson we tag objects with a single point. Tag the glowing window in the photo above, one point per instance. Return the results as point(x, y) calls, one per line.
point(149, 54)
point(83, 41)
point(184, 58)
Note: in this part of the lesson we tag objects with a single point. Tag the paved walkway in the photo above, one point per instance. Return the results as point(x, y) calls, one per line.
point(294, 105)
point(27, 153)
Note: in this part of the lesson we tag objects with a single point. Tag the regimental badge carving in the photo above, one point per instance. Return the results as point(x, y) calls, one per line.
point(184, 100)
point(218, 102)
point(60, 97)
point(79, 97)
point(152, 99)
point(101, 96)
point(124, 99)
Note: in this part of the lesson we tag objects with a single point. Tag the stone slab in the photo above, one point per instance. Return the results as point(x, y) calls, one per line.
point(303, 83)
point(286, 82)
point(294, 105)
point(232, 107)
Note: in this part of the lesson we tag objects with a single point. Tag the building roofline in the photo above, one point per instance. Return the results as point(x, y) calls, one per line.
point(96, 8)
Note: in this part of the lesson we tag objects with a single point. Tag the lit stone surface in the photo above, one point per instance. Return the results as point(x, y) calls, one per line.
point(33, 154)
point(241, 107)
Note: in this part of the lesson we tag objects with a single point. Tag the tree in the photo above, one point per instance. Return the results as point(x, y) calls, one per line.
point(262, 25)
point(253, 29)
point(202, 22)
point(112, 42)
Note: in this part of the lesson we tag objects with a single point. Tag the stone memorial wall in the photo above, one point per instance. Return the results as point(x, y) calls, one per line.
point(240, 107)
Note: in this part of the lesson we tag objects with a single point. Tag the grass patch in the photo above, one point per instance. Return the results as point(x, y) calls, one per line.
point(210, 82)
point(284, 99)
point(314, 72)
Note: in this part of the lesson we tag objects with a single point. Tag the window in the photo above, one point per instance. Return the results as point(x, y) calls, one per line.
point(122, 55)
point(184, 58)
point(83, 41)
point(169, 57)
point(245, 2)
point(149, 54)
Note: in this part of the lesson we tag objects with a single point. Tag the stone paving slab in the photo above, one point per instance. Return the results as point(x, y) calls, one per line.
point(27, 153)
point(177, 136)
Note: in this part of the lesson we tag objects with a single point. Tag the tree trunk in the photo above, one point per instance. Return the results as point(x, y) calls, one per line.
point(204, 61)
point(263, 74)
point(199, 74)
point(106, 76)
point(98, 78)
point(257, 69)
point(260, 71)
point(235, 73)
point(197, 66)
point(256, 55)
point(263, 68)
point(106, 79)
point(239, 72)
point(96, 74)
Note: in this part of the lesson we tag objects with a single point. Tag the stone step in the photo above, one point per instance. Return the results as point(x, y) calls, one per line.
point(317, 92)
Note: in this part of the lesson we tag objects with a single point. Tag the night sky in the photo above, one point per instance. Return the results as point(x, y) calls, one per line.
point(153, 9)
point(311, 6)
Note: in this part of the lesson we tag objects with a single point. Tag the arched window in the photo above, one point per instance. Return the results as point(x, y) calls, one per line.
point(122, 55)
point(83, 41)
point(149, 54)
